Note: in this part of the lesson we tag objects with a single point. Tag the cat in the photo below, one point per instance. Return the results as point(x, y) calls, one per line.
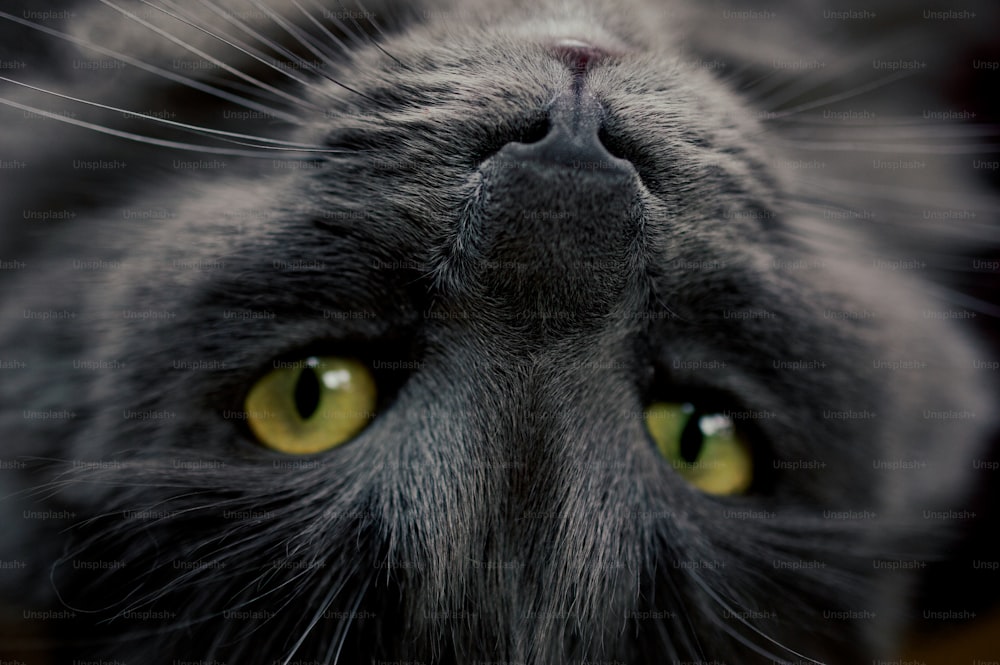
point(559, 253)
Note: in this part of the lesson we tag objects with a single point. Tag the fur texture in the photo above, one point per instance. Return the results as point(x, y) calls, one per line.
point(506, 505)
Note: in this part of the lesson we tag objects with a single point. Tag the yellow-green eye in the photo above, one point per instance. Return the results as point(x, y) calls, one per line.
point(311, 405)
point(703, 447)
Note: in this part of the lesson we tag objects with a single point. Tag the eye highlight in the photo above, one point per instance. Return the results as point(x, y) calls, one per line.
point(703, 447)
point(312, 405)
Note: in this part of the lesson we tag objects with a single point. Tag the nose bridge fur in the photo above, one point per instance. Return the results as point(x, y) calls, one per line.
point(589, 453)
point(517, 557)
point(568, 524)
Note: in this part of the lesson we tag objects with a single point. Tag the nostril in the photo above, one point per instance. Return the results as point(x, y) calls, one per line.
point(531, 131)
point(613, 145)
point(536, 131)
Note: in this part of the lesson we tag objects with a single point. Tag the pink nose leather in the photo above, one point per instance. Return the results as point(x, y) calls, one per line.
point(578, 55)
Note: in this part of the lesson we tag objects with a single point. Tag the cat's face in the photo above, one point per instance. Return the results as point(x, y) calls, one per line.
point(528, 241)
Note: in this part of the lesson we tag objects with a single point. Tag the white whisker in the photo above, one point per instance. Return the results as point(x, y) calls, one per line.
point(322, 608)
point(958, 298)
point(842, 96)
point(809, 122)
point(341, 44)
point(707, 588)
point(865, 146)
point(852, 190)
point(209, 58)
point(145, 66)
point(261, 152)
point(750, 87)
point(318, 49)
point(799, 85)
point(343, 628)
point(351, 34)
point(277, 48)
point(246, 49)
point(172, 123)
point(378, 29)
point(326, 31)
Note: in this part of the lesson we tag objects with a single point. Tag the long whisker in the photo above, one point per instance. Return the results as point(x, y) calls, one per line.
point(839, 97)
point(278, 48)
point(797, 86)
point(260, 153)
point(248, 30)
point(965, 300)
point(707, 588)
point(864, 146)
point(326, 31)
point(177, 78)
point(322, 608)
point(315, 46)
point(852, 189)
point(333, 18)
point(208, 57)
point(883, 122)
point(690, 635)
point(750, 87)
point(375, 43)
point(306, 41)
point(344, 628)
point(173, 123)
point(230, 41)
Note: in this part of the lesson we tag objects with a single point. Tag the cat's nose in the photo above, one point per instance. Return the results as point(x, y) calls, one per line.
point(578, 55)
point(573, 139)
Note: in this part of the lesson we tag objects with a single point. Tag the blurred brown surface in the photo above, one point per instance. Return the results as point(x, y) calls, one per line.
point(20, 647)
point(978, 640)
point(962, 645)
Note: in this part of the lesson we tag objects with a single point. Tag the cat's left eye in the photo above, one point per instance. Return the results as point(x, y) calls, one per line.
point(704, 447)
point(311, 405)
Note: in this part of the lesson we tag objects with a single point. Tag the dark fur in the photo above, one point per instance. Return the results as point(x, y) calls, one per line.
point(506, 505)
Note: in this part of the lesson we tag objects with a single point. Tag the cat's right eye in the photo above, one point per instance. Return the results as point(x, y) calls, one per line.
point(704, 447)
point(312, 405)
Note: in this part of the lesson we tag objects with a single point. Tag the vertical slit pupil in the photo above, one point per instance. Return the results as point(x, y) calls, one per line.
point(691, 439)
point(307, 393)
